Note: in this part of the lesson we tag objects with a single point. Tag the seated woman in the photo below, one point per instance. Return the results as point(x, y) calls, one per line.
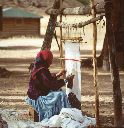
point(44, 93)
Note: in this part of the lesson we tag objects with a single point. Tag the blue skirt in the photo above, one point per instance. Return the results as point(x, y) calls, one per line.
point(47, 106)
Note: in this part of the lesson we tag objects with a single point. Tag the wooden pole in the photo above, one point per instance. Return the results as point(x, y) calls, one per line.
point(117, 95)
point(95, 65)
point(61, 42)
point(1, 18)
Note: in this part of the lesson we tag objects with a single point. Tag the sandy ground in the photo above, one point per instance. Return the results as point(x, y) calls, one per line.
point(17, 53)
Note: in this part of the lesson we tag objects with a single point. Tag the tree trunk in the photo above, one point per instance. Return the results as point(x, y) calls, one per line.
point(50, 28)
point(117, 96)
point(118, 26)
point(116, 19)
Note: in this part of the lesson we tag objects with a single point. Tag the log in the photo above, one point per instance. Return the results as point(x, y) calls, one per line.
point(81, 24)
point(83, 10)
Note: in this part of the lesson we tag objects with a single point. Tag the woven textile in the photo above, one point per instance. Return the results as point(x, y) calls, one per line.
point(72, 65)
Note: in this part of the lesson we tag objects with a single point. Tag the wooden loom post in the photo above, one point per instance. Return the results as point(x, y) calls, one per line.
point(95, 65)
point(61, 45)
point(1, 18)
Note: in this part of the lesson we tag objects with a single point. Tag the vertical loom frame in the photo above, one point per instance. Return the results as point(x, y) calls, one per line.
point(94, 58)
point(61, 43)
point(95, 64)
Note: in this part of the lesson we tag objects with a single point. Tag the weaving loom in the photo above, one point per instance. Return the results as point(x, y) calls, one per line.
point(72, 65)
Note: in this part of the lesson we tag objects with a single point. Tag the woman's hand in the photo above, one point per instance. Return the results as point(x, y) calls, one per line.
point(70, 81)
point(62, 72)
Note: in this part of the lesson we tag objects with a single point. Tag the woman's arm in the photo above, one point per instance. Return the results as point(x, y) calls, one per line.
point(49, 81)
point(62, 72)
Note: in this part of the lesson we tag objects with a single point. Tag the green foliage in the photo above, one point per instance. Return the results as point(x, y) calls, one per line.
point(85, 2)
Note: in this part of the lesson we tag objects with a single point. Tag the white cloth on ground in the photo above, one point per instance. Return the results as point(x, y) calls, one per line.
point(73, 113)
point(69, 118)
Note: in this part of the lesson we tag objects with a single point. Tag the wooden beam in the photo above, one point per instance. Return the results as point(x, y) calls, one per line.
point(77, 39)
point(95, 65)
point(81, 24)
point(83, 10)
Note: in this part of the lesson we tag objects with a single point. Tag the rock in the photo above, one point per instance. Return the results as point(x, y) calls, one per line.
point(4, 73)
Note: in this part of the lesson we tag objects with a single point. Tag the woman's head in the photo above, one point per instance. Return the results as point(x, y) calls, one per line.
point(44, 58)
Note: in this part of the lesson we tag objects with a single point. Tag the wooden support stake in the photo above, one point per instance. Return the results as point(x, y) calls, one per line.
point(77, 39)
point(61, 42)
point(95, 65)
